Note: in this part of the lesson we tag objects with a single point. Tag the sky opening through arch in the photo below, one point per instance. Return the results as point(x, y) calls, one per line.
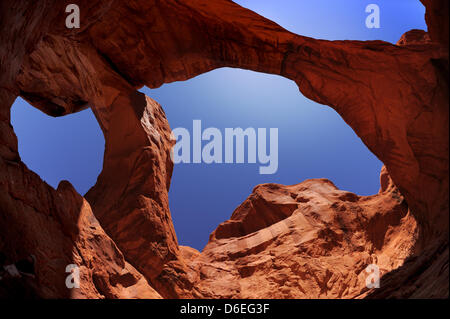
point(314, 142)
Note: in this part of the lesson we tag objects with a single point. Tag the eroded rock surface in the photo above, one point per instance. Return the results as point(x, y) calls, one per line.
point(309, 240)
point(395, 97)
point(59, 228)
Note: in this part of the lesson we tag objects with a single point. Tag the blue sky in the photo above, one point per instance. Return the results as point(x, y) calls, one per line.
point(314, 142)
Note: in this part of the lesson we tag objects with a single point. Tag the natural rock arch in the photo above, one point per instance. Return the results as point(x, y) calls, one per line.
point(394, 97)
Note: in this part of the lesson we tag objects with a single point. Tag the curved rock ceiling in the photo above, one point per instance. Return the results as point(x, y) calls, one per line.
point(309, 240)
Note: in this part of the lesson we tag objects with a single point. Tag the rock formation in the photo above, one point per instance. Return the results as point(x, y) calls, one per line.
point(309, 240)
point(306, 240)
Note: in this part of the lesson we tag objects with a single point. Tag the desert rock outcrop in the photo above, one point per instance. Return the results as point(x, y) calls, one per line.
point(395, 97)
point(309, 240)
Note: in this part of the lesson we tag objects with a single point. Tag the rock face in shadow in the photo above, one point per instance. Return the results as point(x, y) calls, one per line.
point(395, 97)
point(437, 20)
point(59, 228)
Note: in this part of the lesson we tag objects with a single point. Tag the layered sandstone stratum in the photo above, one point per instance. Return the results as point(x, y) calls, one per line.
point(309, 240)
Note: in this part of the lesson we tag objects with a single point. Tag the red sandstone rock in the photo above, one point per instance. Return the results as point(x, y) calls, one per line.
point(414, 37)
point(58, 227)
point(437, 20)
point(395, 97)
point(310, 240)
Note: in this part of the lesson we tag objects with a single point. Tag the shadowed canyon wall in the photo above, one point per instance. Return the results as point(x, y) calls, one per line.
point(309, 240)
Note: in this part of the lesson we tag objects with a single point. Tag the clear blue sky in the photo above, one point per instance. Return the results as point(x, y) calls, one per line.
point(314, 141)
